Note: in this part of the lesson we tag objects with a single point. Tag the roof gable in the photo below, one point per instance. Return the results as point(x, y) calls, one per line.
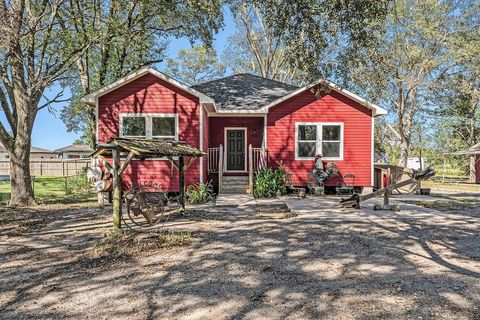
point(93, 96)
point(376, 109)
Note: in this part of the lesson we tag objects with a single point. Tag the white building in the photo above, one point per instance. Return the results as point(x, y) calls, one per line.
point(414, 163)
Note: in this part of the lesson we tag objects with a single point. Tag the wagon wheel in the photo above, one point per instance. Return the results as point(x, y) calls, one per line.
point(146, 209)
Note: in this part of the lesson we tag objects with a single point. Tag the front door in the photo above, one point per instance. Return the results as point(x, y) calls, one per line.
point(235, 150)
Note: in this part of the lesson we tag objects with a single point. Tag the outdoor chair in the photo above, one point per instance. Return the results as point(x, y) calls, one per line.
point(314, 188)
point(298, 191)
point(348, 181)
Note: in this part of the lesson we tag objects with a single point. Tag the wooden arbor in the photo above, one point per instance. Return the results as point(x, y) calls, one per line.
point(139, 148)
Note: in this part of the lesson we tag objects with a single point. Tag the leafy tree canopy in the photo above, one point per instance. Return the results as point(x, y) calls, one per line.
point(195, 65)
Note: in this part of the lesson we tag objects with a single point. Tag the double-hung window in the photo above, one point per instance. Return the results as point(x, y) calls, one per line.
point(314, 138)
point(150, 126)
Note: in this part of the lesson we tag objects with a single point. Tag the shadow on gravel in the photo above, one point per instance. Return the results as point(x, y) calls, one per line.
point(345, 264)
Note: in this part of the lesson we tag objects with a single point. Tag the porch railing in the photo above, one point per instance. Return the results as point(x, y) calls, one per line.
point(213, 159)
point(257, 159)
point(215, 163)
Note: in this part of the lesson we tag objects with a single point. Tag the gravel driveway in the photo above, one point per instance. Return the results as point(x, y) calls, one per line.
point(328, 263)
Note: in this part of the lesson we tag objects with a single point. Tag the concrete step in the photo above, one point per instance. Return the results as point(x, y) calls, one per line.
point(235, 184)
point(235, 179)
point(234, 191)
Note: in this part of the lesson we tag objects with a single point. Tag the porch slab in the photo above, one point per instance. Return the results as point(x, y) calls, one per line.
point(235, 200)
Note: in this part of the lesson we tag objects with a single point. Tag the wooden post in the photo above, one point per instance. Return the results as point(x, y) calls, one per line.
point(220, 169)
point(444, 168)
point(181, 170)
point(41, 167)
point(117, 191)
point(250, 169)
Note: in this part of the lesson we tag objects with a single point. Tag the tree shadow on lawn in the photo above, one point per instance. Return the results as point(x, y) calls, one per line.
point(352, 264)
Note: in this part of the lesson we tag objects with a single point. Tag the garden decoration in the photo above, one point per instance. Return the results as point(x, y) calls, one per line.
point(153, 206)
point(140, 148)
point(355, 199)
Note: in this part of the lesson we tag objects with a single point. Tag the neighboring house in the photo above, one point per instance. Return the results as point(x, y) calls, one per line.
point(292, 124)
point(74, 151)
point(35, 153)
point(475, 150)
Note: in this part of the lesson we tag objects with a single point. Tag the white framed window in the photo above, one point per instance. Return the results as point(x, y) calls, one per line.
point(149, 125)
point(325, 138)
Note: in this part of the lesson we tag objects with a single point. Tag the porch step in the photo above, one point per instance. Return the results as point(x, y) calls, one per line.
point(235, 184)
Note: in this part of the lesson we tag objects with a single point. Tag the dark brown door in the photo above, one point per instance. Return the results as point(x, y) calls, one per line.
point(235, 150)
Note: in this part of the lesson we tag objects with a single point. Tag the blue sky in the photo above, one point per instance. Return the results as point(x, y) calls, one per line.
point(49, 132)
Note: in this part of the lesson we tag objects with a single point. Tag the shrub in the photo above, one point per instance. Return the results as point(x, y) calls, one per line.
point(269, 183)
point(77, 184)
point(200, 193)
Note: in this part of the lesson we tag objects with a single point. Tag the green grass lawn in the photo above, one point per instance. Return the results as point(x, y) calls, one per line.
point(53, 190)
point(451, 186)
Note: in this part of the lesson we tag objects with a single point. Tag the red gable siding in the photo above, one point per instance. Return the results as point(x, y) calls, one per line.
point(148, 94)
point(332, 107)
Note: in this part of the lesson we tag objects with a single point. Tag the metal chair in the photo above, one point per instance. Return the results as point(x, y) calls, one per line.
point(348, 182)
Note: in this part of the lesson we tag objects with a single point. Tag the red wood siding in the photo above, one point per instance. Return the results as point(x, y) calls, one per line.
point(254, 127)
point(149, 94)
point(332, 107)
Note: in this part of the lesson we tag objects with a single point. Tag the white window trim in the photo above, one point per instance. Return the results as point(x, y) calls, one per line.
point(149, 124)
point(319, 139)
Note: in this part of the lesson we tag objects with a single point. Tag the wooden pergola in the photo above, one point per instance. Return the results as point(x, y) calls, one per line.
point(127, 149)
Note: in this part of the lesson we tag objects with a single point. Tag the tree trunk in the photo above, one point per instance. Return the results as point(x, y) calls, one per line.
point(21, 181)
point(472, 169)
point(404, 151)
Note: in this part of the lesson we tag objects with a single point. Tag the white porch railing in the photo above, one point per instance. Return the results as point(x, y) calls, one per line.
point(215, 163)
point(213, 159)
point(257, 159)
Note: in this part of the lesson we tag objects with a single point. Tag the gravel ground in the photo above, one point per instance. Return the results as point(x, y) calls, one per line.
point(420, 263)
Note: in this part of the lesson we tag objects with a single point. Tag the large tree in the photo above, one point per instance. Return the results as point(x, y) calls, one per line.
point(458, 95)
point(312, 31)
point(195, 65)
point(256, 48)
point(34, 54)
point(130, 34)
point(404, 70)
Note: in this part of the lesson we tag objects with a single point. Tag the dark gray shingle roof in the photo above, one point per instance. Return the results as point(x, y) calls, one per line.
point(244, 91)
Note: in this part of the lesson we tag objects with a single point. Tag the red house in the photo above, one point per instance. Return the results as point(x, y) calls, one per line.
point(241, 122)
